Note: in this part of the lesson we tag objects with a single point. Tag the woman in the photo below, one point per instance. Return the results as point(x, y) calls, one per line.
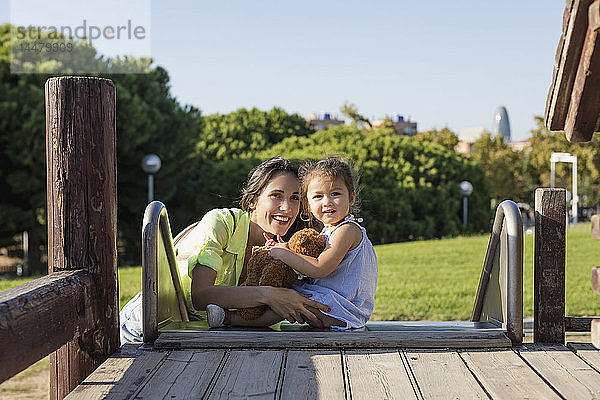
point(222, 243)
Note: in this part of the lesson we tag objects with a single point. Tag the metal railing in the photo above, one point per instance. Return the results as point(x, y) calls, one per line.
point(158, 249)
point(499, 296)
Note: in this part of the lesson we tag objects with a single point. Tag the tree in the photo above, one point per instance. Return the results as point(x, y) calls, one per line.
point(505, 169)
point(351, 111)
point(445, 137)
point(225, 152)
point(409, 189)
point(149, 120)
point(544, 143)
point(243, 132)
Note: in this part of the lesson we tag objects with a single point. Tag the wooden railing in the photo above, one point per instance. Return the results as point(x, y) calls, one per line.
point(71, 314)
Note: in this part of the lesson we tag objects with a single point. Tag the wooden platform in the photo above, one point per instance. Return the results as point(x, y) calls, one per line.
point(378, 334)
point(529, 371)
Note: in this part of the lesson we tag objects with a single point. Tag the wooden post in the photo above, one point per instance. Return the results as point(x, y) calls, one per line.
point(82, 214)
point(549, 266)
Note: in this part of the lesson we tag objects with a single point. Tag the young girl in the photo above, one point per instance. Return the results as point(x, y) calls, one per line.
point(344, 276)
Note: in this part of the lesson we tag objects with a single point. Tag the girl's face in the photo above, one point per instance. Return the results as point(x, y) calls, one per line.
point(277, 206)
point(329, 200)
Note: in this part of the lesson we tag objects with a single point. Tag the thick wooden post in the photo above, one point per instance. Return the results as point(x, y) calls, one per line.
point(549, 266)
point(82, 214)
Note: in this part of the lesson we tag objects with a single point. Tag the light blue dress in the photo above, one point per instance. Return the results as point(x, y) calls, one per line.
point(350, 289)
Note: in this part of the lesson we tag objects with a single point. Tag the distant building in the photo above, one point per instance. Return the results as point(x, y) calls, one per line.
point(324, 121)
point(471, 135)
point(401, 126)
point(464, 148)
point(518, 146)
point(502, 124)
point(466, 138)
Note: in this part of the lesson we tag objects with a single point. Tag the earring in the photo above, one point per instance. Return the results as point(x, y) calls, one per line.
point(304, 217)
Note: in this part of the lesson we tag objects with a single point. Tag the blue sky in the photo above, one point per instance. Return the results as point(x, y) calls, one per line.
point(443, 63)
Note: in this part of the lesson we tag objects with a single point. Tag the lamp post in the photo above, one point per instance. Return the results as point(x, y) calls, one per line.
point(151, 164)
point(566, 157)
point(465, 190)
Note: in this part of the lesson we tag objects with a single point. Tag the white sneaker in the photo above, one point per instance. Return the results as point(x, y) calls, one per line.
point(215, 315)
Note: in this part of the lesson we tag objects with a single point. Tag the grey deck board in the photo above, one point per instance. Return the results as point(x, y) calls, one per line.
point(330, 339)
point(122, 375)
point(504, 375)
point(320, 372)
point(195, 378)
point(588, 353)
point(437, 373)
point(378, 374)
point(529, 371)
point(248, 374)
point(568, 374)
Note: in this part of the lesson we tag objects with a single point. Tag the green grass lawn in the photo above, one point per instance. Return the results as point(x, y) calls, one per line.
point(437, 279)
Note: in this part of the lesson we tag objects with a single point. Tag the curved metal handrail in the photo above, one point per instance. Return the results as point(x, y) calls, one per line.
point(508, 216)
point(156, 228)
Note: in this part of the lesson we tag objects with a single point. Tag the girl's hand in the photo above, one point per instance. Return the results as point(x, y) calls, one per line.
point(292, 305)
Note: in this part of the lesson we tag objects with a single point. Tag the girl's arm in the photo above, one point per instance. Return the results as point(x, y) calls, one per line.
point(345, 238)
point(287, 303)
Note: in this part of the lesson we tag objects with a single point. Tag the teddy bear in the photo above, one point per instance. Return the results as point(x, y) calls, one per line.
point(264, 270)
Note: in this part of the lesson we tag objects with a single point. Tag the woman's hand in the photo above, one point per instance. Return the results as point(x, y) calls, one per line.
point(292, 305)
point(271, 242)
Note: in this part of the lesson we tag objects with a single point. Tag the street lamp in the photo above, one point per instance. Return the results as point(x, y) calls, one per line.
point(566, 157)
point(151, 164)
point(465, 190)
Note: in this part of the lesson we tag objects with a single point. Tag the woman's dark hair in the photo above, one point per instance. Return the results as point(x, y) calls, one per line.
point(332, 168)
point(260, 177)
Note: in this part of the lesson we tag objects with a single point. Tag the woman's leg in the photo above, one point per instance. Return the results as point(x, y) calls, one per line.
point(130, 319)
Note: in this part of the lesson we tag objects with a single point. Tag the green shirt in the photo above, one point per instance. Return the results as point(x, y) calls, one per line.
point(218, 241)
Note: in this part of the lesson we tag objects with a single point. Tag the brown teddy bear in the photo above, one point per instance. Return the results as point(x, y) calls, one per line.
point(264, 270)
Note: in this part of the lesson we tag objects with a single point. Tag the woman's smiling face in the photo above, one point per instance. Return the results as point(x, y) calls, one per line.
point(278, 204)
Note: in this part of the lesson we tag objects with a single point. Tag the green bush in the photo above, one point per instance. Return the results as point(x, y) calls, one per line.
point(409, 188)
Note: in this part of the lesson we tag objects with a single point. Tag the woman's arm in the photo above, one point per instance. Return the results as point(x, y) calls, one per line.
point(340, 242)
point(287, 303)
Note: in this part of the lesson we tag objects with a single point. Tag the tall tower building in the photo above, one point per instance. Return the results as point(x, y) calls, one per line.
point(502, 124)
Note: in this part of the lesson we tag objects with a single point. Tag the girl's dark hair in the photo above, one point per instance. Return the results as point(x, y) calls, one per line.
point(260, 177)
point(330, 167)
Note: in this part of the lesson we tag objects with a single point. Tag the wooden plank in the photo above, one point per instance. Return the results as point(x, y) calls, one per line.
point(568, 374)
point(82, 214)
point(313, 374)
point(587, 352)
point(38, 317)
point(378, 374)
point(549, 266)
point(331, 339)
point(584, 108)
point(121, 376)
point(596, 332)
point(197, 374)
point(583, 118)
point(578, 324)
point(567, 58)
point(438, 373)
point(504, 375)
point(596, 279)
point(248, 373)
point(165, 378)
